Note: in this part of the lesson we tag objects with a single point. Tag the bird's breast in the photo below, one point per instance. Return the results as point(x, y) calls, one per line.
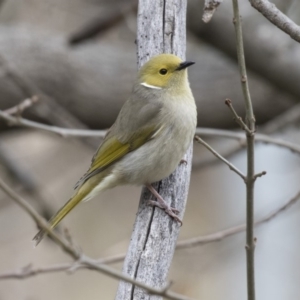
point(159, 157)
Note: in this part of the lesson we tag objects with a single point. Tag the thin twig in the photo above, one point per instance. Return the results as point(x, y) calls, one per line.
point(241, 137)
point(260, 174)
point(58, 130)
point(250, 179)
point(209, 132)
point(29, 271)
point(278, 18)
point(215, 153)
point(218, 236)
point(288, 117)
point(48, 109)
point(236, 117)
point(39, 220)
point(200, 163)
point(81, 258)
point(18, 109)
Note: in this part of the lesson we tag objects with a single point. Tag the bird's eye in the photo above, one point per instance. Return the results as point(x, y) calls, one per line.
point(163, 71)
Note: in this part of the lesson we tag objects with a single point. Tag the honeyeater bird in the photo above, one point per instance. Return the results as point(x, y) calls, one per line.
point(149, 138)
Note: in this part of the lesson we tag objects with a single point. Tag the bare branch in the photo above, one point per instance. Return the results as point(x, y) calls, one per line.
point(29, 271)
point(241, 137)
point(236, 117)
point(209, 9)
point(209, 132)
point(39, 220)
point(59, 130)
point(288, 117)
point(81, 259)
point(18, 109)
point(48, 109)
point(260, 174)
point(250, 179)
point(215, 153)
point(218, 236)
point(278, 18)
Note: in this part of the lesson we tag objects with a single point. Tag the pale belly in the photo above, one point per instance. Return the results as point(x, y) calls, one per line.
point(155, 160)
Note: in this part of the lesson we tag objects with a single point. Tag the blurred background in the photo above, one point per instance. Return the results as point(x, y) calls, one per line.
point(80, 57)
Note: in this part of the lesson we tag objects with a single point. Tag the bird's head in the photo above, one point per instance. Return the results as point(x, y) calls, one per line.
point(164, 71)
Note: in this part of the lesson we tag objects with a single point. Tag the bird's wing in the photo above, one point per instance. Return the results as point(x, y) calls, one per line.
point(112, 149)
point(136, 124)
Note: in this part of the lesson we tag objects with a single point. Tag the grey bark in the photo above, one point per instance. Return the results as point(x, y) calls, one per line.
point(161, 28)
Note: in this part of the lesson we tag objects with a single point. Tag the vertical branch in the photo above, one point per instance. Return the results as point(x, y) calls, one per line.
point(250, 119)
point(250, 178)
point(161, 29)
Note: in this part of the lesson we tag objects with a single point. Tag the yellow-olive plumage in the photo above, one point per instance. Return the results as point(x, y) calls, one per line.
point(148, 139)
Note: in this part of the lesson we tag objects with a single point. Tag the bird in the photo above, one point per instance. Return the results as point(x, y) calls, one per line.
point(148, 139)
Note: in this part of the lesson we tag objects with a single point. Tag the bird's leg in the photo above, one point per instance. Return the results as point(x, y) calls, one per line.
point(161, 203)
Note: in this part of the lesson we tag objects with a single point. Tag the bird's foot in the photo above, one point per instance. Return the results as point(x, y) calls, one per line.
point(171, 211)
point(161, 203)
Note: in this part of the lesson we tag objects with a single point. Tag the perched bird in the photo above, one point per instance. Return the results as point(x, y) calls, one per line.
point(149, 138)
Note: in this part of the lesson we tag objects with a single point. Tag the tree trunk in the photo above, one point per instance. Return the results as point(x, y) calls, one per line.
point(161, 28)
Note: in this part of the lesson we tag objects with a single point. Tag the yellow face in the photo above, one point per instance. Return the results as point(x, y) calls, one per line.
point(162, 71)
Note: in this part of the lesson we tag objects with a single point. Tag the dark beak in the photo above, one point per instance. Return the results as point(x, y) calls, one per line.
point(184, 65)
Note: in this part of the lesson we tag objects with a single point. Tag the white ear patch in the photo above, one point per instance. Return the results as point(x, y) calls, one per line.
point(150, 86)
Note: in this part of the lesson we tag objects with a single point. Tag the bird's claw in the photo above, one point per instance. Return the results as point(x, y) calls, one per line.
point(171, 211)
point(183, 162)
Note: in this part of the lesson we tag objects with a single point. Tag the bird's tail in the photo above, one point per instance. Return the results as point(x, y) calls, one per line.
point(79, 195)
